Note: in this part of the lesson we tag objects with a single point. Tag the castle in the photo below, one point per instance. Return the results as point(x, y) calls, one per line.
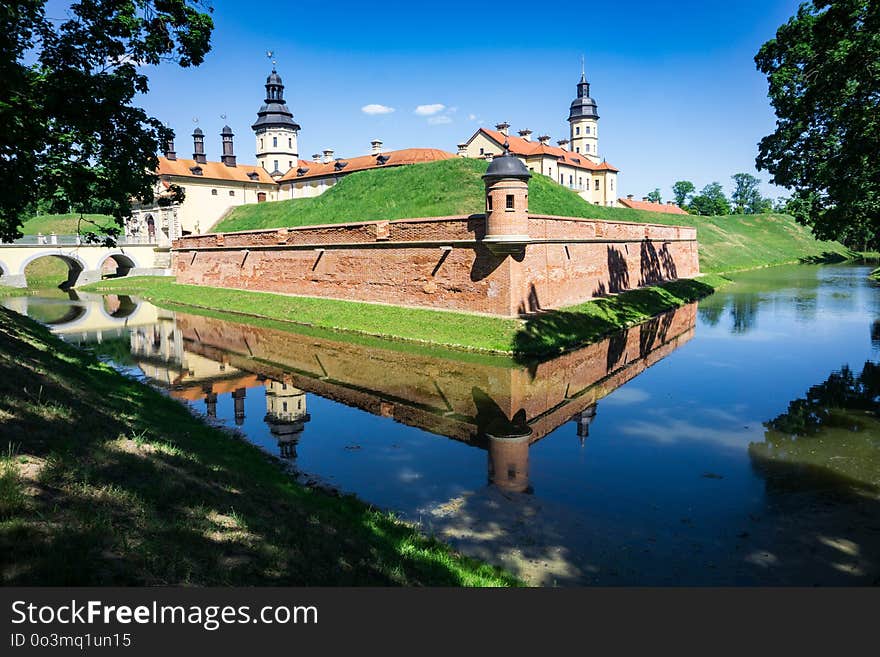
point(213, 188)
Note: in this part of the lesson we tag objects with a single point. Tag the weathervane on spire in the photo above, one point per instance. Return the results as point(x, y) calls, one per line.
point(271, 55)
point(583, 70)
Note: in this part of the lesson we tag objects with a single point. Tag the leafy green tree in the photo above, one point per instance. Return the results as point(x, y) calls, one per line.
point(682, 191)
point(654, 197)
point(71, 135)
point(746, 196)
point(710, 201)
point(824, 85)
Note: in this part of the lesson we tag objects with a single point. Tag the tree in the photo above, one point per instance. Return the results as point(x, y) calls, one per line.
point(710, 201)
point(654, 197)
point(824, 85)
point(745, 192)
point(682, 191)
point(71, 135)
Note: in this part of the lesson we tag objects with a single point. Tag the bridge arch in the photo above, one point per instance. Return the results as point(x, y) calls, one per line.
point(124, 263)
point(117, 306)
point(75, 265)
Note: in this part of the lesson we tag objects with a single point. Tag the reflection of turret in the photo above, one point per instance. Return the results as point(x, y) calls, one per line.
point(583, 420)
point(238, 404)
point(285, 415)
point(509, 463)
point(211, 403)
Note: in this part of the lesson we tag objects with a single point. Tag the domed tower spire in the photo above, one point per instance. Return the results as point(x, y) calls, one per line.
point(583, 116)
point(275, 130)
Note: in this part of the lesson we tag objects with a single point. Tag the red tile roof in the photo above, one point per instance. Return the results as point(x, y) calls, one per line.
point(213, 170)
point(666, 208)
point(519, 146)
point(307, 170)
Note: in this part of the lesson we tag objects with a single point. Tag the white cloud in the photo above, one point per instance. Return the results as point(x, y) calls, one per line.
point(439, 120)
point(472, 117)
point(375, 108)
point(428, 110)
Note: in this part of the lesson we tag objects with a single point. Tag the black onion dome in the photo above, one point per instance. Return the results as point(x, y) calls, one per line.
point(226, 130)
point(583, 107)
point(507, 166)
point(274, 112)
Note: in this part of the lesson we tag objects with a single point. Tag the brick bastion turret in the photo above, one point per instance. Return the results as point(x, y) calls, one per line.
point(505, 262)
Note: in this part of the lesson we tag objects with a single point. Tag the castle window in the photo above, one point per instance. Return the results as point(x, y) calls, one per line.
point(612, 184)
point(587, 147)
point(213, 192)
point(587, 130)
point(274, 141)
point(261, 144)
point(276, 165)
point(290, 164)
point(577, 130)
point(232, 192)
point(571, 180)
point(489, 203)
point(482, 152)
point(597, 184)
point(261, 197)
point(577, 150)
point(290, 144)
point(510, 201)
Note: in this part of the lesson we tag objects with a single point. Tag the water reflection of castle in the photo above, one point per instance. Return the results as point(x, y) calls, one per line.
point(493, 405)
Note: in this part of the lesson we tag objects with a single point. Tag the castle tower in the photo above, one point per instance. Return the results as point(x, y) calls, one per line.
point(285, 415)
point(507, 204)
point(583, 117)
point(228, 157)
point(509, 463)
point(275, 130)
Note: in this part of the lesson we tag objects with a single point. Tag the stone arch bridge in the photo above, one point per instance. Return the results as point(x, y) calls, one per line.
point(86, 263)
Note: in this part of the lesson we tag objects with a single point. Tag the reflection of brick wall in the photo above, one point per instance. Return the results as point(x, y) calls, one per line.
point(441, 263)
point(437, 393)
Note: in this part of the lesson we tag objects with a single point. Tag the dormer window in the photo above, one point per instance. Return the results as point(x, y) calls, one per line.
point(253, 175)
point(196, 171)
point(382, 159)
point(339, 165)
point(302, 171)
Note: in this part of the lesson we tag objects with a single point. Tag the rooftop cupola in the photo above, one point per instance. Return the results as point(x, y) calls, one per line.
point(583, 106)
point(274, 111)
point(228, 157)
point(199, 146)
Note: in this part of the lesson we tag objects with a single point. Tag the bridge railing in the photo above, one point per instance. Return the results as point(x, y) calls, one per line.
point(77, 240)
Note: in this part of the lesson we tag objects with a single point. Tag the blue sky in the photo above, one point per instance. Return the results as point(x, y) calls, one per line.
point(676, 84)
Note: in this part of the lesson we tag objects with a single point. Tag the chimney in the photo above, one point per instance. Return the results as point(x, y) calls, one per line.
point(199, 146)
point(316, 157)
point(563, 144)
point(526, 134)
point(544, 140)
point(328, 155)
point(376, 146)
point(169, 149)
point(228, 157)
point(670, 202)
point(629, 197)
point(502, 127)
point(645, 199)
point(462, 150)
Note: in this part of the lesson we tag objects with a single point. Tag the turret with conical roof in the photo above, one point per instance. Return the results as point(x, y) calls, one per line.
point(507, 204)
point(275, 129)
point(583, 116)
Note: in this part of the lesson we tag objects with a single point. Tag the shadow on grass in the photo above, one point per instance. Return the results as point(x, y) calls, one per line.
point(125, 487)
point(551, 332)
point(828, 258)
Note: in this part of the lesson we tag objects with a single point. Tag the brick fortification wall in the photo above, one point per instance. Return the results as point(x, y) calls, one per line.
point(442, 262)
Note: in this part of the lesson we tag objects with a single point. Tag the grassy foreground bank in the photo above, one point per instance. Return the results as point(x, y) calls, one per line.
point(454, 187)
point(543, 335)
point(104, 481)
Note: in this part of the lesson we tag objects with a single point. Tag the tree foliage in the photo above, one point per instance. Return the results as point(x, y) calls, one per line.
point(654, 197)
point(823, 69)
point(72, 139)
point(682, 192)
point(710, 201)
point(746, 197)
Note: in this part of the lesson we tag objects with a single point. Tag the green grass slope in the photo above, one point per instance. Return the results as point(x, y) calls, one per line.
point(64, 224)
point(455, 187)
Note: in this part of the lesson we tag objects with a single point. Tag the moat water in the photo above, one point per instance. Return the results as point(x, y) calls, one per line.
point(734, 441)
